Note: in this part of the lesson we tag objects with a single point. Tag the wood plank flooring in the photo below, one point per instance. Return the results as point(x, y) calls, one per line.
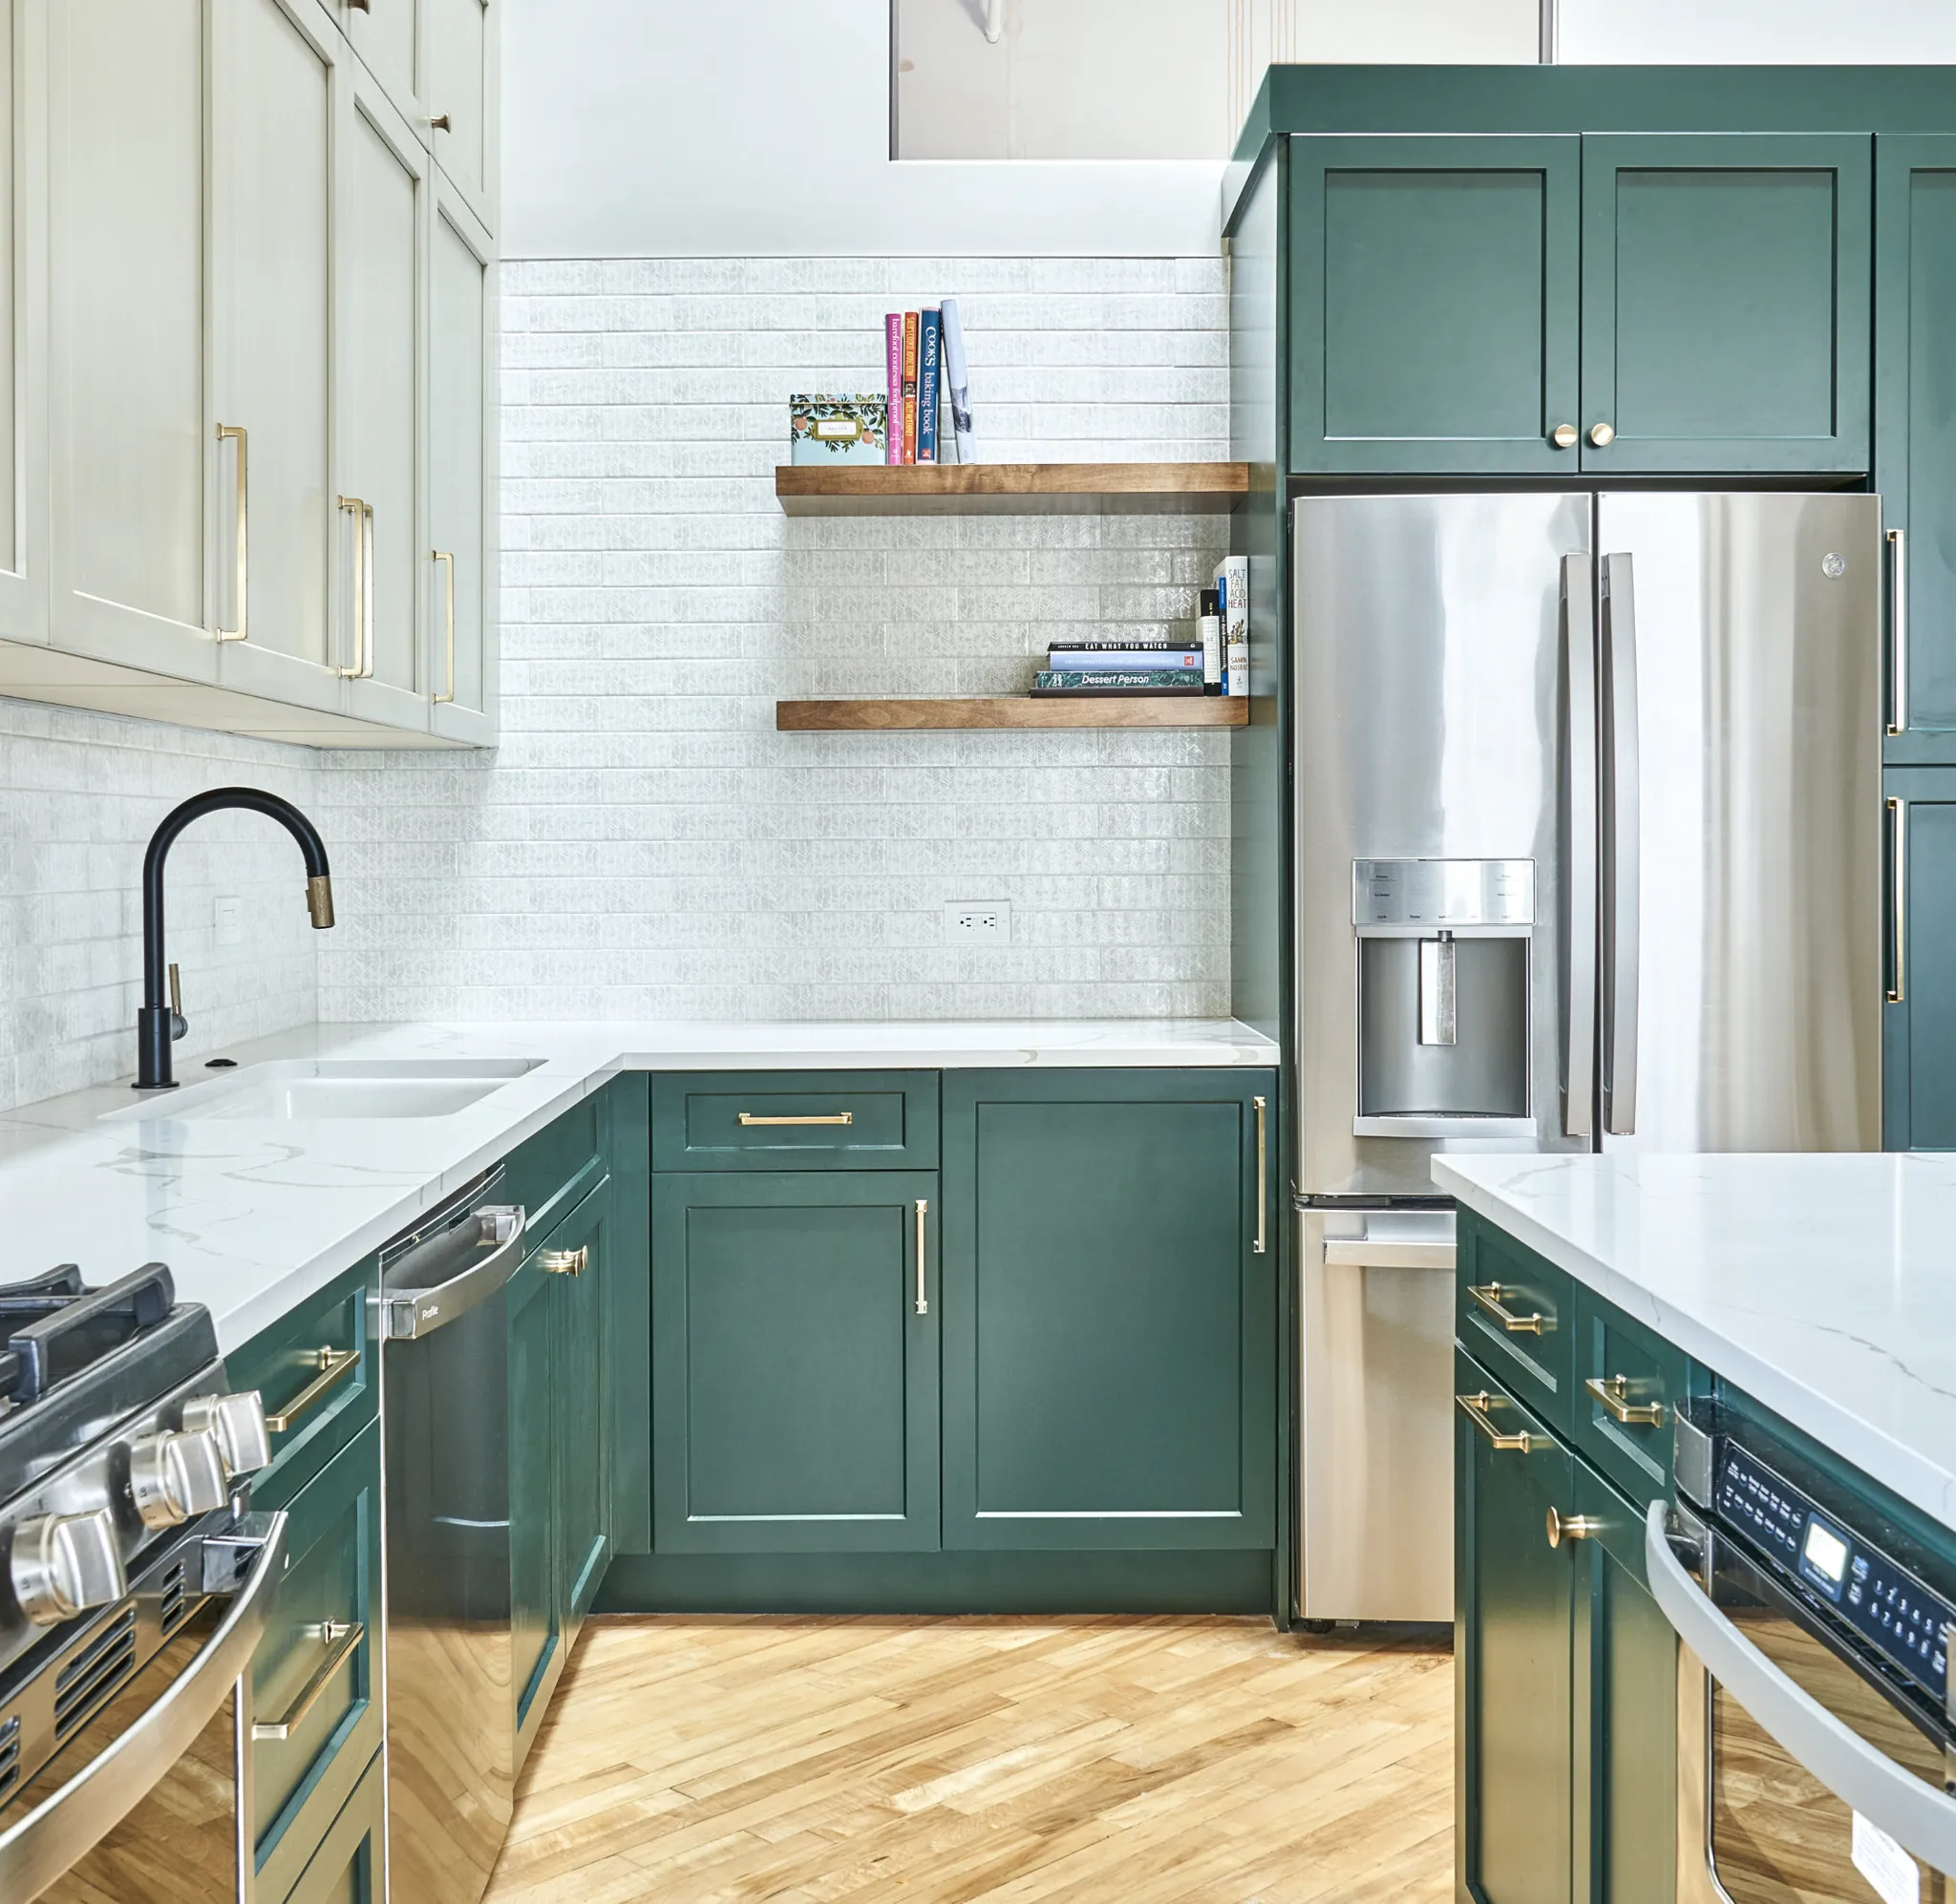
point(1065, 1760)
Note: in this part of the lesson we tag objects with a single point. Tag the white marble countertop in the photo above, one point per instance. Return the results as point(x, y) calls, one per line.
point(1825, 1286)
point(253, 1215)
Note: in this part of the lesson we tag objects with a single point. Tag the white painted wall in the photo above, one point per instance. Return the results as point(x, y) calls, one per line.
point(1767, 33)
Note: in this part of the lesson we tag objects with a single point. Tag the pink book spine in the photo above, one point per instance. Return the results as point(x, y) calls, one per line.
point(893, 352)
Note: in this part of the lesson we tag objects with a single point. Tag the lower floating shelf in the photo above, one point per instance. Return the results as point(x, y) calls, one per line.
point(1013, 710)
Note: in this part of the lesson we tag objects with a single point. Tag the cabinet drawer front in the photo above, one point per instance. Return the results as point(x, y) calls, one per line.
point(1627, 1387)
point(348, 1868)
point(1513, 1312)
point(313, 1673)
point(543, 1174)
point(301, 1366)
point(796, 1120)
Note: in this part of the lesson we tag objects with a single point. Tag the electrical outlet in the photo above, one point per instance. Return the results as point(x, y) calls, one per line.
point(230, 920)
point(969, 921)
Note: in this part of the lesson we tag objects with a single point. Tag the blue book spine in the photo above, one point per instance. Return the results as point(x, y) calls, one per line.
point(928, 356)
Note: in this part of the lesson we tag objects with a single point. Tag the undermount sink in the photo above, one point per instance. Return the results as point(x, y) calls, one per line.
point(307, 1091)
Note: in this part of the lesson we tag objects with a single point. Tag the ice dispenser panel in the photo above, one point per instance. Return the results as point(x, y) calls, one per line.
point(1443, 983)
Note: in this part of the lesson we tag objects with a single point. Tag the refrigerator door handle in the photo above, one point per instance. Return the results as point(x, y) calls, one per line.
point(1621, 804)
point(1577, 884)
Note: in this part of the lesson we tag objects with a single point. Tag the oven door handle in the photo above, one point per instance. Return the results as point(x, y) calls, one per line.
point(1916, 1816)
point(68, 1823)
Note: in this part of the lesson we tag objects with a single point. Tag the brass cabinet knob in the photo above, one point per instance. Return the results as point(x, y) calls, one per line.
point(1563, 436)
point(1570, 1527)
point(566, 1262)
point(1601, 435)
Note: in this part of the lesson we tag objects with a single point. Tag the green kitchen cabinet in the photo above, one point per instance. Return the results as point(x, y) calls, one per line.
point(1915, 425)
point(1435, 291)
point(1919, 1031)
point(1726, 285)
point(796, 1320)
point(536, 1607)
point(350, 1867)
point(578, 1254)
point(1514, 1689)
point(1109, 1309)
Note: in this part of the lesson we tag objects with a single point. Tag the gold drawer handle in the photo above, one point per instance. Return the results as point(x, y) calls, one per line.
point(1615, 1395)
point(342, 1640)
point(1493, 1298)
point(749, 1120)
point(923, 1300)
point(334, 1364)
point(566, 1262)
point(1478, 1410)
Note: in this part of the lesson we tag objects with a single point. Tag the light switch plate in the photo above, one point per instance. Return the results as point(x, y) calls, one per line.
point(975, 922)
point(230, 920)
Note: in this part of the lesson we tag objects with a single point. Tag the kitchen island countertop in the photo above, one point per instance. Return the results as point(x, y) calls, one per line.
point(1825, 1286)
point(253, 1215)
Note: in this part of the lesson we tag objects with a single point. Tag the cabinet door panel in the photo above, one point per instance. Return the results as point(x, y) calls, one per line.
point(127, 413)
point(1434, 288)
point(1725, 303)
point(581, 1399)
point(1915, 434)
point(1109, 1327)
point(1512, 1649)
point(349, 1866)
point(536, 1652)
point(1920, 1028)
point(459, 86)
point(794, 1385)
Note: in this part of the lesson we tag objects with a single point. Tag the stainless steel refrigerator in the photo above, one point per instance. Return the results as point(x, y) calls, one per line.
point(1587, 857)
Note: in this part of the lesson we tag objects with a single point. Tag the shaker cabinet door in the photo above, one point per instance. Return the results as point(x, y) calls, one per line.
point(1514, 1696)
point(536, 1606)
point(1434, 297)
point(1919, 1029)
point(458, 86)
point(1726, 325)
point(794, 1362)
point(581, 1399)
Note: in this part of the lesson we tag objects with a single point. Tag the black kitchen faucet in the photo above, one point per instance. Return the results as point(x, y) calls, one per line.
point(159, 1023)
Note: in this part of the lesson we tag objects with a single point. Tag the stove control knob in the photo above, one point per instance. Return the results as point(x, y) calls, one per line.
point(63, 1564)
point(236, 1423)
point(173, 1476)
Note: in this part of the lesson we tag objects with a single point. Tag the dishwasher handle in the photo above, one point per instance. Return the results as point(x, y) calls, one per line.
point(1914, 1814)
point(405, 1315)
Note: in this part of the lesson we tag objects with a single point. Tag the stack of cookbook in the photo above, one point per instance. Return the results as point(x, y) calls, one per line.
point(1122, 668)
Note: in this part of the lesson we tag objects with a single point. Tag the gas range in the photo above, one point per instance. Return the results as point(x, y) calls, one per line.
point(122, 1463)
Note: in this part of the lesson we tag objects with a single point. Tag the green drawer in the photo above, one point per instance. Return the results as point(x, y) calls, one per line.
point(318, 1370)
point(796, 1120)
point(348, 1866)
point(1514, 1311)
point(1627, 1389)
point(314, 1673)
point(547, 1173)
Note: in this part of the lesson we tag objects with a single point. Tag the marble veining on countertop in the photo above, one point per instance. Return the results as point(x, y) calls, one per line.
point(253, 1215)
point(1822, 1285)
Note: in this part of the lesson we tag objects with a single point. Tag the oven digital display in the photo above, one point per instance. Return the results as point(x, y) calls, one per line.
point(1825, 1554)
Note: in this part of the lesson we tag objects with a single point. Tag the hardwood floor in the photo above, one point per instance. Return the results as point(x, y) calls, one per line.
point(702, 1761)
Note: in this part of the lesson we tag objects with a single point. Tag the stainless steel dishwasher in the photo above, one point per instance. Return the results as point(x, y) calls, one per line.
point(451, 1729)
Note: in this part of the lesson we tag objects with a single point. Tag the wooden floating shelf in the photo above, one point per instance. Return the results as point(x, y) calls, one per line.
point(1025, 489)
point(1013, 710)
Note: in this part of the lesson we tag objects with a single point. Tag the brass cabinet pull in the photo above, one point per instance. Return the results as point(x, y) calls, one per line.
point(1570, 1526)
point(1493, 1298)
point(237, 433)
point(566, 1262)
point(1478, 1410)
point(444, 556)
point(342, 1639)
point(1898, 632)
point(749, 1121)
point(1262, 1243)
point(1898, 897)
point(923, 1300)
point(335, 1364)
point(362, 514)
point(1614, 1394)
point(1565, 435)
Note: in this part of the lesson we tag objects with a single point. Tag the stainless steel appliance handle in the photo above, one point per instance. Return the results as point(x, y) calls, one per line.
point(1898, 632)
point(1916, 1815)
point(68, 1823)
point(1577, 883)
point(408, 1314)
point(1621, 801)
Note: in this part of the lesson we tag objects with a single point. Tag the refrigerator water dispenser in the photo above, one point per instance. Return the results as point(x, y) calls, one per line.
point(1444, 993)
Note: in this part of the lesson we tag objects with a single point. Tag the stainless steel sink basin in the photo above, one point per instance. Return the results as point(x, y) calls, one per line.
point(306, 1091)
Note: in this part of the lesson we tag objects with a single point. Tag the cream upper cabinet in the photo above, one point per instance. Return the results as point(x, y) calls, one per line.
point(387, 35)
point(459, 86)
point(461, 471)
point(381, 534)
point(131, 457)
point(23, 380)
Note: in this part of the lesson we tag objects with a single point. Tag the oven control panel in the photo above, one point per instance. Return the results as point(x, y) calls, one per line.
point(1880, 1599)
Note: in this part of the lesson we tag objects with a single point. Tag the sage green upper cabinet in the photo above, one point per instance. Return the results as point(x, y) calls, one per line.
point(1435, 284)
point(794, 1362)
point(131, 454)
point(1915, 424)
point(1110, 1319)
point(271, 219)
point(461, 534)
point(382, 170)
point(458, 86)
point(1726, 281)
